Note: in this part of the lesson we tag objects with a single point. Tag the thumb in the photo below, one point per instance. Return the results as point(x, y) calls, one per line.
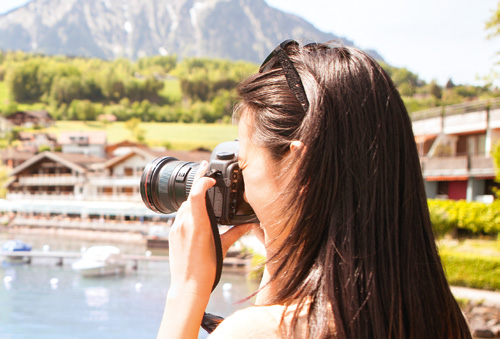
point(229, 237)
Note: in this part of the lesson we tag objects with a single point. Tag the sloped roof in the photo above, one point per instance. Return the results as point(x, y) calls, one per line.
point(44, 115)
point(36, 136)
point(118, 159)
point(150, 154)
point(25, 135)
point(14, 154)
point(125, 143)
point(77, 162)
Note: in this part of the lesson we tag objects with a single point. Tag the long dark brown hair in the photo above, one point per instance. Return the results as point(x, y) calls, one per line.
point(361, 255)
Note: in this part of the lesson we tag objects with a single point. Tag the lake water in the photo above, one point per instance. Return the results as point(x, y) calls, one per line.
point(43, 300)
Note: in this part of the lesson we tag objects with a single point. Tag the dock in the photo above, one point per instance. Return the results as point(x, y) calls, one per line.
point(60, 256)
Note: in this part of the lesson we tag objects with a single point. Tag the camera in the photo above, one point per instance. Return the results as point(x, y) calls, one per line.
point(166, 183)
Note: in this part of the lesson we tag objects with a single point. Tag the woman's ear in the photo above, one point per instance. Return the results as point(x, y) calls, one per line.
point(297, 148)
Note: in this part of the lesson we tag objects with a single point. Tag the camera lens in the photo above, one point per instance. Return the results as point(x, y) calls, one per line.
point(166, 183)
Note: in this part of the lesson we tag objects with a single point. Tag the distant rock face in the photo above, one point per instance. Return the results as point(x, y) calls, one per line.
point(231, 29)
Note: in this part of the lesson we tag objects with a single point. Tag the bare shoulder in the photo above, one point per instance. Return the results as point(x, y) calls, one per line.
point(252, 322)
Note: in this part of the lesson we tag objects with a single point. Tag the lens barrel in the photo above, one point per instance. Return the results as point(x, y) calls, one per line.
point(166, 183)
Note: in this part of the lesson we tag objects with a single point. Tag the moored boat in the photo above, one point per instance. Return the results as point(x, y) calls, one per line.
point(12, 246)
point(100, 261)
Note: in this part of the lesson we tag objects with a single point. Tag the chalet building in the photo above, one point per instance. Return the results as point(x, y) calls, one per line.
point(55, 189)
point(88, 143)
point(31, 119)
point(33, 142)
point(454, 145)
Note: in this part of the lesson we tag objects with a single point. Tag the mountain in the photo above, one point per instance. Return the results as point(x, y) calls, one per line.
point(230, 29)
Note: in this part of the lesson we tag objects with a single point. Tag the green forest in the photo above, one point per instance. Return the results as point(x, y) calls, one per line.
point(164, 88)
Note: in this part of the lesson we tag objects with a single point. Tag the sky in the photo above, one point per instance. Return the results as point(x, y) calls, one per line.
point(436, 39)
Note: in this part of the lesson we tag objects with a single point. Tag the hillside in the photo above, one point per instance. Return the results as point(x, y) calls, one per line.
point(107, 29)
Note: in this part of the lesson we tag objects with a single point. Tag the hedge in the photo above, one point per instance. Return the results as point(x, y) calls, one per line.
point(471, 270)
point(478, 218)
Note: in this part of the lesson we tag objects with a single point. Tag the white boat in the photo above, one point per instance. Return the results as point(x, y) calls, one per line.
point(100, 261)
point(13, 246)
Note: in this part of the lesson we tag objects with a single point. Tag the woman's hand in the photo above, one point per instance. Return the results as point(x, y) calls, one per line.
point(191, 244)
point(193, 261)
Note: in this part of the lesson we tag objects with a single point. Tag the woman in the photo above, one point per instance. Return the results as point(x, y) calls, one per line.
point(332, 172)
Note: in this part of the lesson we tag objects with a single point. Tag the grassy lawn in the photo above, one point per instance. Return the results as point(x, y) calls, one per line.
point(472, 263)
point(172, 135)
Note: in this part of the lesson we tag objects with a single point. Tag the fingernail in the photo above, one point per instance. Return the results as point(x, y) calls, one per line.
point(204, 164)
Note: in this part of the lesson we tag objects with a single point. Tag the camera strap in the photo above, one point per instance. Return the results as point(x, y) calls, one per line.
point(217, 242)
point(211, 321)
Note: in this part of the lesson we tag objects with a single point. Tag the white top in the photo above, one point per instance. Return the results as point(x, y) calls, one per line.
point(258, 322)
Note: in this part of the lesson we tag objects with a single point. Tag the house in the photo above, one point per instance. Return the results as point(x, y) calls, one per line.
point(454, 145)
point(88, 142)
point(52, 176)
point(65, 190)
point(33, 142)
point(12, 157)
point(31, 119)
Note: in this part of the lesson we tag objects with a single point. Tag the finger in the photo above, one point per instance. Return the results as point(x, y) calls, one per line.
point(229, 237)
point(198, 193)
point(202, 170)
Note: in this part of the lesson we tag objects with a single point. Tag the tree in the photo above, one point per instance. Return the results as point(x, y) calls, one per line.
point(22, 81)
point(83, 110)
point(496, 160)
point(449, 84)
point(492, 26)
point(66, 89)
point(435, 90)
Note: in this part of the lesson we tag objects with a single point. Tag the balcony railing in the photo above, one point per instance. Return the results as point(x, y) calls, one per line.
point(114, 181)
point(72, 197)
point(481, 165)
point(476, 165)
point(474, 106)
point(114, 225)
point(70, 180)
point(51, 180)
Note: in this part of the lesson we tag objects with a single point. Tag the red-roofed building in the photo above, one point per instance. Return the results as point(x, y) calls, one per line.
point(31, 118)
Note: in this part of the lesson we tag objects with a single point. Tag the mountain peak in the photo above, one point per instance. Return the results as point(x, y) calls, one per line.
point(230, 29)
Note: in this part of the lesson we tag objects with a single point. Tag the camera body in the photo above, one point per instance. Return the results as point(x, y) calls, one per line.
point(166, 183)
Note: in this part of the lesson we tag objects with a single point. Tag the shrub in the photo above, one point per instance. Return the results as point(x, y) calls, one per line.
point(474, 217)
